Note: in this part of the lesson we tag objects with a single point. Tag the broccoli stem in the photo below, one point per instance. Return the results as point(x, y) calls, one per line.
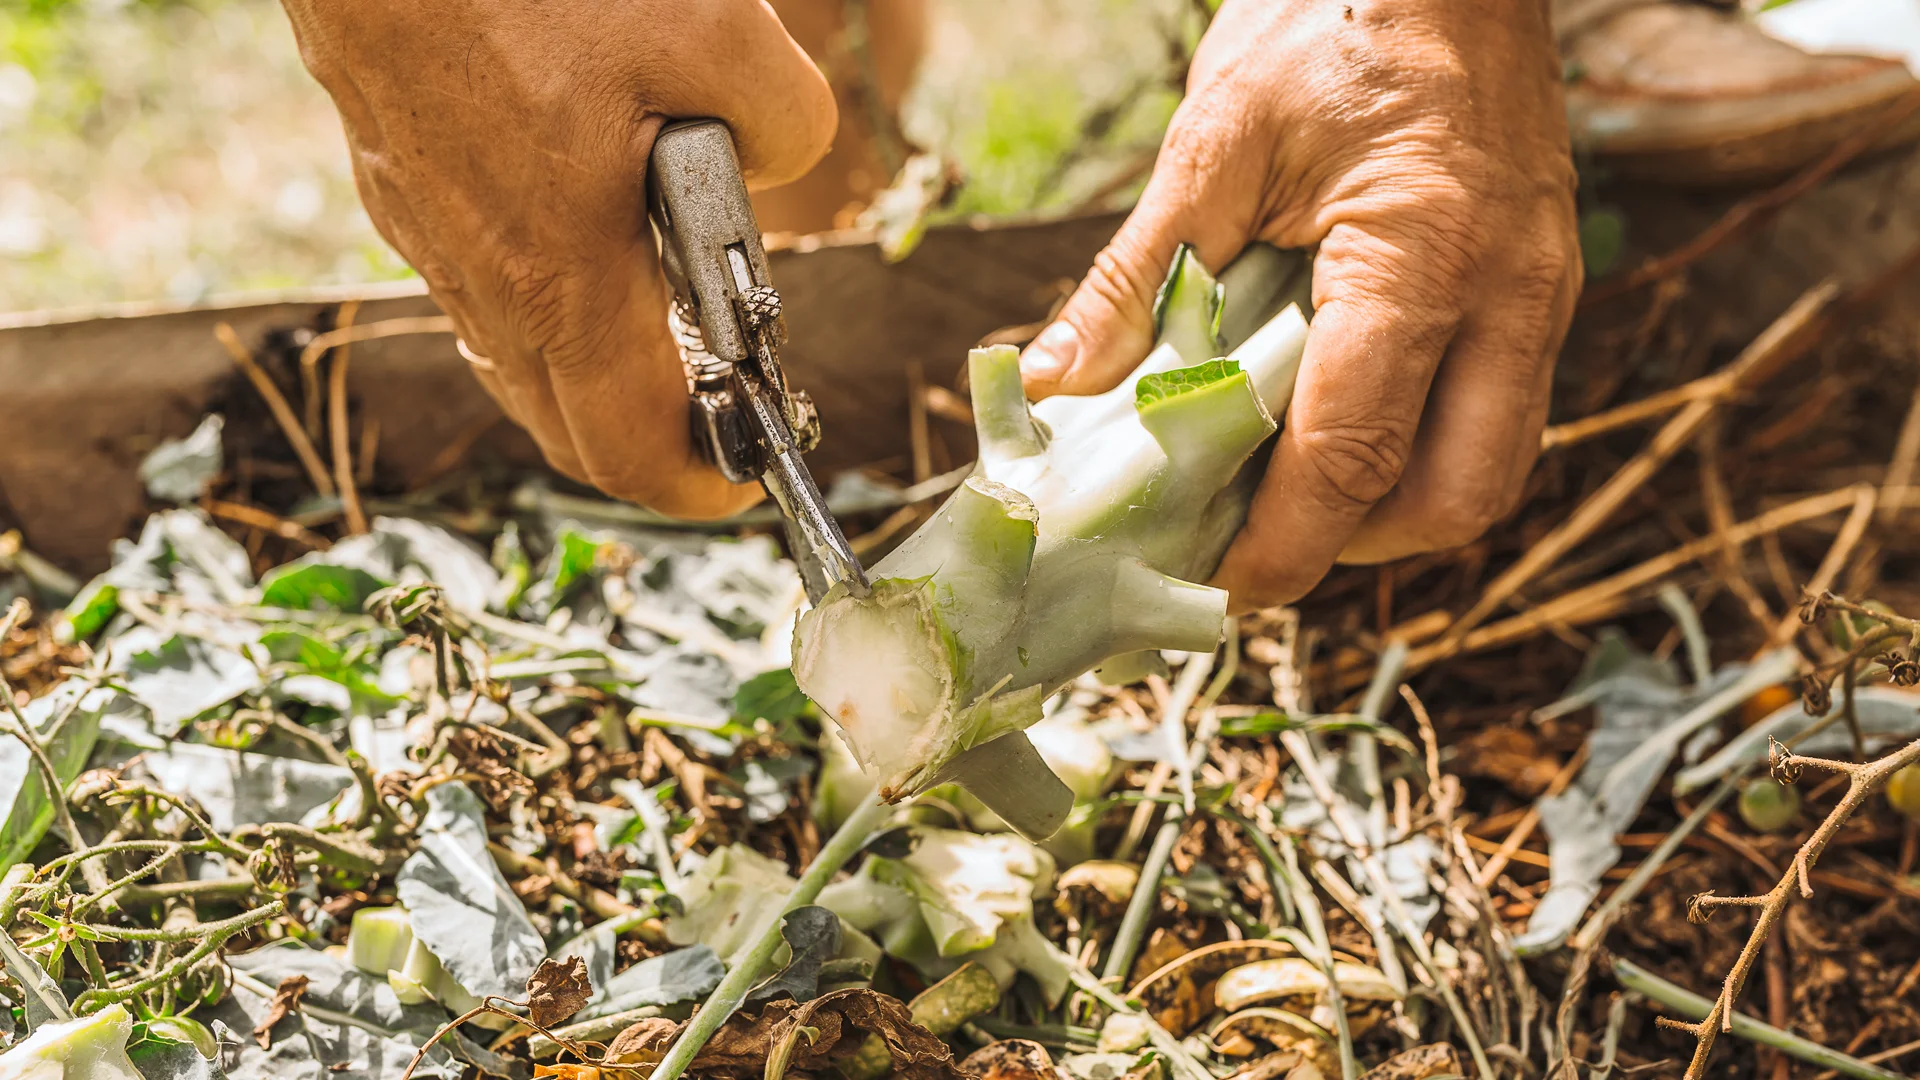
point(1081, 538)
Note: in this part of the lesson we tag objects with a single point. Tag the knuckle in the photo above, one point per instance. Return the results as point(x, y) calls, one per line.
point(625, 484)
point(1354, 465)
point(1463, 518)
point(1272, 580)
point(553, 308)
point(1119, 283)
point(560, 458)
point(1416, 267)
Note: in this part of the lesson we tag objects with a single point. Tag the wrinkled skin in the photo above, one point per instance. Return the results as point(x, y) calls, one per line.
point(501, 147)
point(1422, 146)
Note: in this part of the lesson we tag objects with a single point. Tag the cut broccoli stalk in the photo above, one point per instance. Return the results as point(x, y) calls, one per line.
point(1078, 540)
point(957, 897)
point(381, 943)
point(380, 939)
point(1067, 743)
point(87, 1048)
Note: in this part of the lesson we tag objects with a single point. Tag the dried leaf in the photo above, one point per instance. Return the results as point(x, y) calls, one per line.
point(285, 1000)
point(557, 990)
point(1508, 755)
point(1011, 1059)
point(482, 754)
point(643, 1043)
point(840, 1023)
point(918, 1054)
point(1096, 891)
point(1418, 1063)
point(1271, 1067)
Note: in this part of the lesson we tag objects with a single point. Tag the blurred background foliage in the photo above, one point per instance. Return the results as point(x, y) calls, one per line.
point(174, 149)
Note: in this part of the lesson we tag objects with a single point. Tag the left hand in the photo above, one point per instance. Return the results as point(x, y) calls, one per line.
point(1422, 146)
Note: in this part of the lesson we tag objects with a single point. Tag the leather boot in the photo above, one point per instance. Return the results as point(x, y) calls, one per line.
point(1687, 94)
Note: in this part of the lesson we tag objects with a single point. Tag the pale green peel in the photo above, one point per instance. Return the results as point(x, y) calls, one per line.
point(87, 1048)
point(1080, 540)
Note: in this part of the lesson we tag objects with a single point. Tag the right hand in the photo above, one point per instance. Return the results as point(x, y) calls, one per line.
point(501, 146)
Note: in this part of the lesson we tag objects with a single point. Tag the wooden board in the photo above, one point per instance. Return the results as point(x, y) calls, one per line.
point(84, 396)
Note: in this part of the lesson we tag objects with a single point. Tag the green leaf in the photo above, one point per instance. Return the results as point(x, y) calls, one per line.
point(311, 586)
point(573, 559)
point(772, 696)
point(96, 604)
point(300, 647)
point(306, 652)
point(627, 833)
point(1602, 235)
point(462, 909)
point(515, 569)
point(1164, 385)
point(67, 732)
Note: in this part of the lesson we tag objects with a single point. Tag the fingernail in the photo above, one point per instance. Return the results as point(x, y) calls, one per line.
point(1053, 352)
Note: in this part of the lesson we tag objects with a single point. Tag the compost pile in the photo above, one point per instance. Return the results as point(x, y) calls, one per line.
point(489, 779)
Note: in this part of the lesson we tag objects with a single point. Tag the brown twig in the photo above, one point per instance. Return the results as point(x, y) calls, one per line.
point(1862, 781)
point(917, 422)
point(337, 417)
point(257, 518)
point(1606, 597)
point(1849, 536)
point(385, 328)
point(1749, 211)
point(1490, 873)
point(277, 404)
point(1900, 467)
point(1720, 515)
point(1633, 412)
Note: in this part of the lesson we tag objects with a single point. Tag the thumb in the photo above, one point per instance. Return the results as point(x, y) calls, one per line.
point(1107, 327)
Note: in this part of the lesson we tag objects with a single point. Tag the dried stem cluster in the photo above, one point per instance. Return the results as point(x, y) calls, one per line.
point(1863, 779)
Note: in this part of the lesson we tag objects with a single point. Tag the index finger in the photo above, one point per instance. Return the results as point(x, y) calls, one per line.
point(1383, 317)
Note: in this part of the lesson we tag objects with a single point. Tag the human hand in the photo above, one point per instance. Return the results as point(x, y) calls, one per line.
point(1421, 144)
point(501, 146)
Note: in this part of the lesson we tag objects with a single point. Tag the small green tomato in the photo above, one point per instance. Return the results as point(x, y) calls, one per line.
point(1767, 805)
point(1903, 791)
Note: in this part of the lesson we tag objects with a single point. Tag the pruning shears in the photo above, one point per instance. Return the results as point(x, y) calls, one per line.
point(726, 315)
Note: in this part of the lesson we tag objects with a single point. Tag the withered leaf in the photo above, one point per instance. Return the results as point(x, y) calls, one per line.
point(643, 1042)
point(840, 1023)
point(1272, 1067)
point(738, 1049)
point(490, 765)
point(1418, 1063)
point(918, 1054)
point(285, 1000)
point(557, 990)
point(1011, 1059)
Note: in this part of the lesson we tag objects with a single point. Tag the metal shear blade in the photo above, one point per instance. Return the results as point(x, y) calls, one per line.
point(745, 420)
